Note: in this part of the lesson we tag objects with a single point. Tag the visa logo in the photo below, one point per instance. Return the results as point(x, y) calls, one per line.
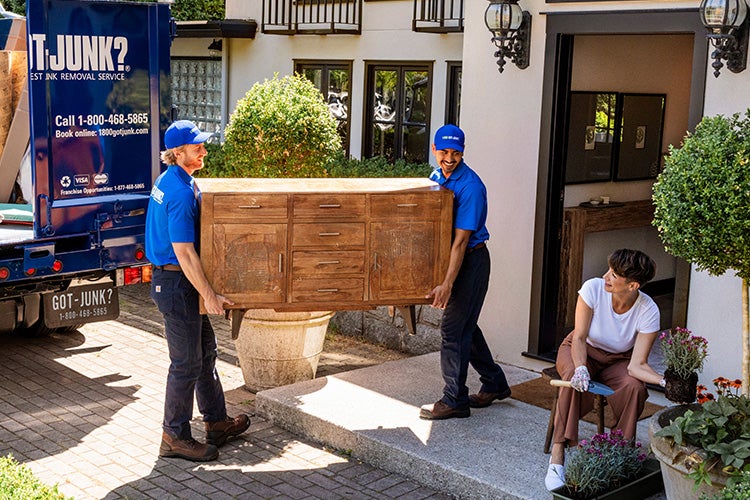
point(81, 180)
point(78, 53)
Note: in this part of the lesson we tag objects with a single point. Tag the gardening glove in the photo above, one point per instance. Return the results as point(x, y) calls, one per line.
point(581, 379)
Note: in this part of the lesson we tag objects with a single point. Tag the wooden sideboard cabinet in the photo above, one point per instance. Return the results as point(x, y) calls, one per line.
point(324, 244)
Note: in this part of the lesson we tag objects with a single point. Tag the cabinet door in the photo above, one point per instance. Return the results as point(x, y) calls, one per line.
point(250, 263)
point(404, 259)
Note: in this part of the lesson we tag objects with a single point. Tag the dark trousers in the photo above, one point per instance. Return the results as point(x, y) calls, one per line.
point(462, 340)
point(192, 353)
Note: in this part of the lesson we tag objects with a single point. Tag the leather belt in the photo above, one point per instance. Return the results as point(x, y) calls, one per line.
point(168, 267)
point(475, 247)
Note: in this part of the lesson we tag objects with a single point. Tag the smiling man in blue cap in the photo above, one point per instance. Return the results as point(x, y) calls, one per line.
point(172, 224)
point(462, 292)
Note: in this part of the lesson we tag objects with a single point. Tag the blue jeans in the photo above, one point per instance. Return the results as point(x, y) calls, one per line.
point(192, 352)
point(462, 340)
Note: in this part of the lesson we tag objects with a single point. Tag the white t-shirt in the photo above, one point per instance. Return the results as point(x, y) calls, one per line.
point(614, 332)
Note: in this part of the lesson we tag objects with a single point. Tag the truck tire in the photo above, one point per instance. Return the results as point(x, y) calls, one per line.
point(40, 329)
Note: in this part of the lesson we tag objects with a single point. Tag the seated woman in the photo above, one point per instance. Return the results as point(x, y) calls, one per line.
point(615, 326)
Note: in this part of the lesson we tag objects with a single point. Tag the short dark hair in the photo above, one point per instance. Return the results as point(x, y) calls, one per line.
point(633, 265)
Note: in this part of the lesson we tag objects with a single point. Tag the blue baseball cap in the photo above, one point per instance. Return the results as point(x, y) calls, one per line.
point(449, 137)
point(184, 132)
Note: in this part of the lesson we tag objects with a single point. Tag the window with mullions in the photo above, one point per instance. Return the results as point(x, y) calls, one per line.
point(397, 112)
point(197, 91)
point(335, 77)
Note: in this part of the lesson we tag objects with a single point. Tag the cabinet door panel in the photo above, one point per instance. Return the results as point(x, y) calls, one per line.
point(404, 258)
point(328, 262)
point(413, 205)
point(249, 262)
point(330, 205)
point(334, 234)
point(328, 290)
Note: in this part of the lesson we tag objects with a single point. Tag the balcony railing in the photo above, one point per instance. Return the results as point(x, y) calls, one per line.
point(316, 17)
point(438, 16)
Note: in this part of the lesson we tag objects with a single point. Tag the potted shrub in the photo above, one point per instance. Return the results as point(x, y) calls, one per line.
point(609, 467)
point(280, 128)
point(705, 446)
point(702, 201)
point(684, 355)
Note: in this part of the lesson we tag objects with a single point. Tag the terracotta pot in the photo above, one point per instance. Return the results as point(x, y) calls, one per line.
point(680, 390)
point(677, 461)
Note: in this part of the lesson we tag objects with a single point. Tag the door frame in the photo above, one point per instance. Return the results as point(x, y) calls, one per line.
point(561, 30)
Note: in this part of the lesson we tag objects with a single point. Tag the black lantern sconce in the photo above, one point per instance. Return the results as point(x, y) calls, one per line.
point(726, 21)
point(215, 48)
point(511, 30)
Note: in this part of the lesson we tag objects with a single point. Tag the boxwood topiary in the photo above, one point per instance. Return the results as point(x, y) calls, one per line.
point(281, 128)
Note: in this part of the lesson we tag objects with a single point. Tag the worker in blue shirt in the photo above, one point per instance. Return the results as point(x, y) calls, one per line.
point(177, 283)
point(462, 292)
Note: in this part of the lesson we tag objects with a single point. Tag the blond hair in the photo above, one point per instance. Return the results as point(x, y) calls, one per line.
point(169, 156)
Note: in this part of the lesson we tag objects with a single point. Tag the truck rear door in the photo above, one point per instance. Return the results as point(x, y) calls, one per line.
point(98, 97)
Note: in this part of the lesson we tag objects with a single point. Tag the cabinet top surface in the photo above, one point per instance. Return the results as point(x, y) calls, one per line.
point(315, 185)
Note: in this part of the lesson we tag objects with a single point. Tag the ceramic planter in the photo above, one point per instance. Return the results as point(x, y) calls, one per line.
point(680, 390)
point(280, 348)
point(677, 461)
point(648, 482)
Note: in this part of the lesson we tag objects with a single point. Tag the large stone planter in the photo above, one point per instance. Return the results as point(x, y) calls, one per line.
point(277, 349)
point(678, 461)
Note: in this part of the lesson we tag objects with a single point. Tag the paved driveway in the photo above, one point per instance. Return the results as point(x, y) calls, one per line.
point(83, 410)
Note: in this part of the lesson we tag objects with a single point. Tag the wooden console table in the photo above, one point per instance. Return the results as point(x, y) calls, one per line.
point(577, 222)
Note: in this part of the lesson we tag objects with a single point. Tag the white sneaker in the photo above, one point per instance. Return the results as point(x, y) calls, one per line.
point(555, 476)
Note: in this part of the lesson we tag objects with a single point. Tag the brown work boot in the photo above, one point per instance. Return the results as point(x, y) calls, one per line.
point(189, 449)
point(441, 411)
point(484, 399)
point(218, 432)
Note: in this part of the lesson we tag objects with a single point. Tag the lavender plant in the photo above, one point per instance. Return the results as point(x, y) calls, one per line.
point(684, 353)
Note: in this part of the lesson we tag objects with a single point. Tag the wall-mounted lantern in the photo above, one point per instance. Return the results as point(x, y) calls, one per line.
point(727, 25)
point(511, 30)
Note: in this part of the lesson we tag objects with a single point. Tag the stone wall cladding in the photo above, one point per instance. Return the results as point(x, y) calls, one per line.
point(386, 326)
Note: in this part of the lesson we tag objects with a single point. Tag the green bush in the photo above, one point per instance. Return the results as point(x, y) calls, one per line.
point(281, 128)
point(182, 10)
point(377, 167)
point(17, 482)
point(702, 197)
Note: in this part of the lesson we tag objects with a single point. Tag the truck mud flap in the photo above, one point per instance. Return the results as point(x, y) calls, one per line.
point(81, 304)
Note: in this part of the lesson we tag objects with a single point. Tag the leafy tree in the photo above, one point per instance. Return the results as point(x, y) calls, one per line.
point(182, 10)
point(281, 128)
point(702, 201)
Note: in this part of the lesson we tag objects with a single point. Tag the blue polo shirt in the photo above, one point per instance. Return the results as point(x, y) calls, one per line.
point(172, 215)
point(469, 201)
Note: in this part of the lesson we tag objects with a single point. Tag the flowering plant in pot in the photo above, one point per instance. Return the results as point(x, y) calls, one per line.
point(717, 429)
point(684, 354)
point(605, 467)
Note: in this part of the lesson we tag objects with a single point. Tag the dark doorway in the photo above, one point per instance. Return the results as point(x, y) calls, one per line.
point(563, 30)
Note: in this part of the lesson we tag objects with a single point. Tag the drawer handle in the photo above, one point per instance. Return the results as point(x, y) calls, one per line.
point(407, 205)
point(250, 206)
point(329, 234)
point(330, 205)
point(323, 262)
point(281, 262)
point(328, 290)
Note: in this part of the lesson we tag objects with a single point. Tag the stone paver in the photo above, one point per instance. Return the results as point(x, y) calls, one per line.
point(83, 410)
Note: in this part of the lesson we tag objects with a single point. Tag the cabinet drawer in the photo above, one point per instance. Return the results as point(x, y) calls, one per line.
point(249, 206)
point(332, 234)
point(328, 290)
point(419, 205)
point(331, 205)
point(328, 262)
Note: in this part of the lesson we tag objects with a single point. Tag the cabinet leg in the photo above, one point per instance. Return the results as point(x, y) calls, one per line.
point(410, 317)
point(236, 321)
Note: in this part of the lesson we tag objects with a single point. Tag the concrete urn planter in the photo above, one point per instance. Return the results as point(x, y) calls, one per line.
point(280, 348)
point(677, 461)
